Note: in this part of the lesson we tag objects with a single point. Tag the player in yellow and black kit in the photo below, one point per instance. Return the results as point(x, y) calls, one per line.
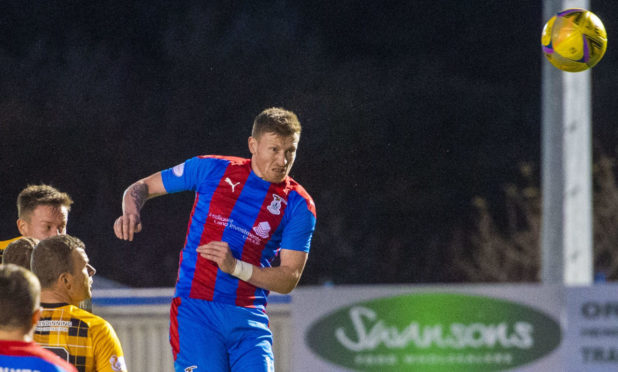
point(42, 211)
point(80, 337)
point(87, 341)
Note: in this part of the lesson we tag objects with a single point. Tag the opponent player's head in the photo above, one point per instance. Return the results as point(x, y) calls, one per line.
point(42, 211)
point(61, 263)
point(19, 252)
point(273, 143)
point(19, 302)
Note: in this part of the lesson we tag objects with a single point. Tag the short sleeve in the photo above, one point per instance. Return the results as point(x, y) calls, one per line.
point(186, 176)
point(108, 355)
point(299, 229)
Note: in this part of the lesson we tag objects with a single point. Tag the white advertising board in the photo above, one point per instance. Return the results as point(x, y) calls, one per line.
point(591, 342)
point(429, 328)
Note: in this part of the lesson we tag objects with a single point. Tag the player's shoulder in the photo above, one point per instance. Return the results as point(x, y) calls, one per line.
point(45, 358)
point(218, 162)
point(234, 160)
point(52, 359)
point(5, 243)
point(292, 185)
point(92, 320)
point(296, 188)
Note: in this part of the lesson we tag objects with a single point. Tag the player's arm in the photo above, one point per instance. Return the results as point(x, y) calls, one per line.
point(281, 279)
point(133, 200)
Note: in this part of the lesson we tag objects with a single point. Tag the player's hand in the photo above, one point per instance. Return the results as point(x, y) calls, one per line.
point(127, 225)
point(220, 253)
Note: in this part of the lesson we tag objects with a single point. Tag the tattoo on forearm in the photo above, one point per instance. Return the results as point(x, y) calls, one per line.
point(139, 193)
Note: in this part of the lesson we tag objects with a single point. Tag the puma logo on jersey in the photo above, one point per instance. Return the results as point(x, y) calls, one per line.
point(190, 369)
point(229, 181)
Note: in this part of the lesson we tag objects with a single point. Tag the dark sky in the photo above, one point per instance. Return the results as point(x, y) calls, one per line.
point(410, 109)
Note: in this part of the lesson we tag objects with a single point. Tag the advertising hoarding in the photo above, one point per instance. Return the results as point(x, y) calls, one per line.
point(428, 328)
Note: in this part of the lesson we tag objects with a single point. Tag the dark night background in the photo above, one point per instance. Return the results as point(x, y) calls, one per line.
point(410, 109)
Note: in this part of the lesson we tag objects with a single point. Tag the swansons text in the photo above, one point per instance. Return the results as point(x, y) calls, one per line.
point(369, 332)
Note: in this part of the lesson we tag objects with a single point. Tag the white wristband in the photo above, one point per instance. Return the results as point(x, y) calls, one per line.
point(243, 270)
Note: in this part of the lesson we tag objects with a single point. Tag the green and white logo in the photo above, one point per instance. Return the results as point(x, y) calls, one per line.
point(434, 332)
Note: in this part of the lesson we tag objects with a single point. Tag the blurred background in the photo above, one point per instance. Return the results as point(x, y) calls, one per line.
point(421, 138)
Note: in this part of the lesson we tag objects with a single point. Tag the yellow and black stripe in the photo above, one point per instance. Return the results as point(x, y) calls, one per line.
point(80, 337)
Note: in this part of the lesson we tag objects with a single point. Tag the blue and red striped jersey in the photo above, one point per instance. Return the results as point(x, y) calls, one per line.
point(29, 356)
point(255, 217)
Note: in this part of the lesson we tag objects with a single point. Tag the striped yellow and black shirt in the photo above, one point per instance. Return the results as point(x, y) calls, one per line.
point(83, 339)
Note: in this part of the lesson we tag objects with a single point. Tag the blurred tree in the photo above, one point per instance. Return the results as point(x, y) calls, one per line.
point(504, 246)
point(605, 209)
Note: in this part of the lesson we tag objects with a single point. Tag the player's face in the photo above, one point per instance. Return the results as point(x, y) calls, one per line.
point(273, 155)
point(81, 277)
point(45, 221)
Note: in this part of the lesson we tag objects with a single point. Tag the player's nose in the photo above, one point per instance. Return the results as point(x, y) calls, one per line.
point(281, 159)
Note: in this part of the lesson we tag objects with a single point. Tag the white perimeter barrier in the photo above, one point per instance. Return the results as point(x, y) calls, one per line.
point(141, 320)
point(436, 328)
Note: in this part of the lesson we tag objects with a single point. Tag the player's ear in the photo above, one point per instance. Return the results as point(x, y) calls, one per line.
point(36, 316)
point(252, 145)
point(65, 280)
point(22, 226)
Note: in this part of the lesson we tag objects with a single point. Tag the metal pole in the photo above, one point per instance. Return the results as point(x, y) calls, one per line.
point(566, 177)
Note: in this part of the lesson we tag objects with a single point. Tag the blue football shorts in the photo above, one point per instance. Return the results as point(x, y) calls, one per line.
point(210, 336)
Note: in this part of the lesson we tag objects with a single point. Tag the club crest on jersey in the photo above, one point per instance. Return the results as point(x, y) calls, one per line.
point(262, 229)
point(118, 363)
point(275, 206)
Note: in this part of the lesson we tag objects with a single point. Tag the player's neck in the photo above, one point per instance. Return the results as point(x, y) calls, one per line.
point(51, 296)
point(15, 335)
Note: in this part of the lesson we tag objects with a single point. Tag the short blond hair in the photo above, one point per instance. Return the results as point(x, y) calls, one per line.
point(276, 120)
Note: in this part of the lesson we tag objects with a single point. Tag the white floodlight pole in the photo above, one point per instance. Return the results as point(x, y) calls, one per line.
point(566, 177)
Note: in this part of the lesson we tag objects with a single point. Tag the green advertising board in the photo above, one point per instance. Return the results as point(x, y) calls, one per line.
point(433, 332)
